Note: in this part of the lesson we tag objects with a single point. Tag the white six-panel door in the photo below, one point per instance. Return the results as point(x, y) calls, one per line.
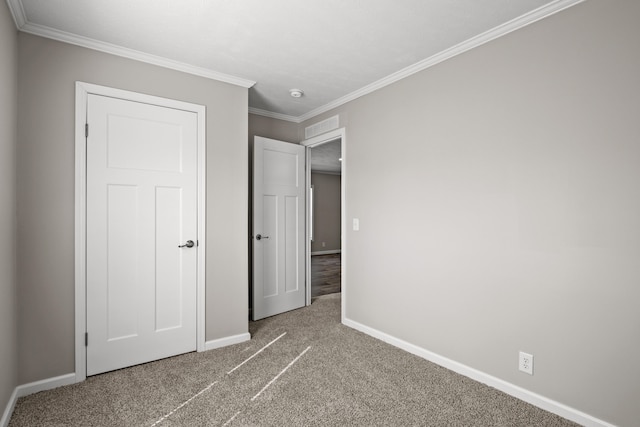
point(278, 227)
point(141, 206)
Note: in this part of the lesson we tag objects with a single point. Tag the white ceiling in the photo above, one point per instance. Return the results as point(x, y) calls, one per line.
point(334, 50)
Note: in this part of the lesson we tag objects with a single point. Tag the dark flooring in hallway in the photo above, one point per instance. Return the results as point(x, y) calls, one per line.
point(325, 274)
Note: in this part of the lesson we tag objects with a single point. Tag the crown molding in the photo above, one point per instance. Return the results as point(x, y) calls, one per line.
point(487, 36)
point(17, 10)
point(40, 30)
point(272, 115)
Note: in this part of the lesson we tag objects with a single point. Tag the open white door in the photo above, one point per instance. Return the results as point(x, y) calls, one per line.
point(141, 227)
point(279, 212)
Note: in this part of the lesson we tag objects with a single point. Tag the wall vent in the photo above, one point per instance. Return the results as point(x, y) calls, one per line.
point(321, 127)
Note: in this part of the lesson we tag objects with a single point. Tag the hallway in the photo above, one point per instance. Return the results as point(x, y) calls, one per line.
point(325, 274)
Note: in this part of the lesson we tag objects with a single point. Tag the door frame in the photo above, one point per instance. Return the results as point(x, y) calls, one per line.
point(314, 142)
point(83, 90)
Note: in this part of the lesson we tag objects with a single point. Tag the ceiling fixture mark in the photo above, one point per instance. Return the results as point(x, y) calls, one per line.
point(296, 93)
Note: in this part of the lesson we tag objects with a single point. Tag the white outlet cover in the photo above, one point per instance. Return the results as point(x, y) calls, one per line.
point(525, 363)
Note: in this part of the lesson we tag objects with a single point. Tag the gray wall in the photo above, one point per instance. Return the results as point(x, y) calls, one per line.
point(505, 186)
point(509, 204)
point(273, 128)
point(326, 212)
point(48, 72)
point(8, 142)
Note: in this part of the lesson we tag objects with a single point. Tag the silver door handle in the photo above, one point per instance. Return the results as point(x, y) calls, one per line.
point(189, 244)
point(260, 237)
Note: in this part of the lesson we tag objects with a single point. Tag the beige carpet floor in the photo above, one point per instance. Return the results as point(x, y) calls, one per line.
point(302, 368)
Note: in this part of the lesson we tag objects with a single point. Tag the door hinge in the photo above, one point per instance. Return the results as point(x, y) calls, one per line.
point(197, 242)
point(86, 339)
point(86, 130)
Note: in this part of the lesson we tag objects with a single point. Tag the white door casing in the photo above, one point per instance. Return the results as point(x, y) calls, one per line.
point(279, 211)
point(143, 198)
point(309, 144)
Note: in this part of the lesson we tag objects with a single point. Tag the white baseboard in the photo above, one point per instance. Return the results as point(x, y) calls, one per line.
point(34, 387)
point(223, 342)
point(11, 404)
point(334, 251)
point(48, 384)
point(511, 389)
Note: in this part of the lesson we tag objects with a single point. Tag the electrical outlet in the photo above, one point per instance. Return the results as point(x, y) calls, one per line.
point(525, 363)
point(324, 244)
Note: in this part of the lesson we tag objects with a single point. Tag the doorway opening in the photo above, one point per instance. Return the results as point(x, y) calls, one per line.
point(326, 217)
point(324, 212)
point(277, 288)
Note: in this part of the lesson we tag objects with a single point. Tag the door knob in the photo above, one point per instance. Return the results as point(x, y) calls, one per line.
point(260, 237)
point(189, 244)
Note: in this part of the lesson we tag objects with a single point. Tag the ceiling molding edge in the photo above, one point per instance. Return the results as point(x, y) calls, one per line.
point(40, 30)
point(272, 115)
point(492, 34)
point(17, 10)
